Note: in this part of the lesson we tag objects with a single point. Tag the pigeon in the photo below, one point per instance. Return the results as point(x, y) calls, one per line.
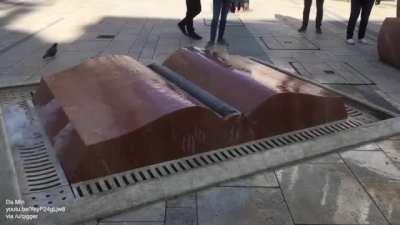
point(51, 52)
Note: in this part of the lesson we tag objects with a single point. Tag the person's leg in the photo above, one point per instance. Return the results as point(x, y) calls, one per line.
point(217, 4)
point(224, 15)
point(194, 8)
point(183, 23)
point(365, 12)
point(306, 14)
point(355, 12)
point(320, 14)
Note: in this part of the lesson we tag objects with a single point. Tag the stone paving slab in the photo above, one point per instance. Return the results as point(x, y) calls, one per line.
point(267, 179)
point(181, 216)
point(392, 149)
point(238, 206)
point(185, 201)
point(151, 213)
point(387, 197)
point(331, 73)
point(372, 166)
point(326, 194)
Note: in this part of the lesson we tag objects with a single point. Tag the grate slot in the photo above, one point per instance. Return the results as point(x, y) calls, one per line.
point(247, 151)
point(37, 158)
point(258, 147)
point(205, 160)
point(44, 183)
point(116, 181)
point(276, 143)
point(317, 132)
point(31, 151)
point(133, 175)
point(212, 158)
point(43, 178)
point(174, 169)
point(38, 165)
point(33, 155)
point(239, 152)
point(293, 139)
point(299, 137)
point(225, 155)
point(166, 169)
point(89, 189)
point(141, 174)
point(34, 146)
point(152, 174)
point(183, 165)
point(78, 191)
point(286, 140)
point(334, 128)
point(220, 158)
point(304, 136)
point(199, 162)
point(40, 174)
point(270, 144)
point(98, 189)
point(191, 164)
point(125, 180)
point(46, 187)
point(40, 170)
point(108, 185)
point(30, 163)
point(231, 153)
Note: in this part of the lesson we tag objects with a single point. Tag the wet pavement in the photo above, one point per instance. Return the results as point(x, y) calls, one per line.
point(360, 186)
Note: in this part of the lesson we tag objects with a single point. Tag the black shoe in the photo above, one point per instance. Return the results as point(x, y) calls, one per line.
point(318, 30)
point(222, 42)
point(182, 27)
point(302, 30)
point(194, 36)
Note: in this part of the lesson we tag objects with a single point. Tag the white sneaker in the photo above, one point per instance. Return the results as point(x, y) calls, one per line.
point(363, 41)
point(350, 41)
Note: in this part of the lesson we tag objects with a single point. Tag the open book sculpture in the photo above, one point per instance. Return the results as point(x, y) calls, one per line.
point(111, 114)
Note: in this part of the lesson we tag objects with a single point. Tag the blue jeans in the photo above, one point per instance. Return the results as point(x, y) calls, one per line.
point(220, 9)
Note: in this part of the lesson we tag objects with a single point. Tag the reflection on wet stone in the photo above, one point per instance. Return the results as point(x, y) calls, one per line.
point(371, 166)
point(238, 206)
point(326, 194)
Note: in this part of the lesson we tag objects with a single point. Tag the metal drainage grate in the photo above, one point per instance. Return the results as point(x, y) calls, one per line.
point(43, 181)
point(132, 177)
point(41, 178)
point(10, 95)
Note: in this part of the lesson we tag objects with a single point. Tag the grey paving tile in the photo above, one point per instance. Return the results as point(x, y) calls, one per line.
point(392, 149)
point(332, 158)
point(238, 206)
point(151, 213)
point(181, 216)
point(188, 200)
point(387, 197)
point(132, 223)
point(371, 166)
point(326, 194)
point(368, 147)
point(267, 179)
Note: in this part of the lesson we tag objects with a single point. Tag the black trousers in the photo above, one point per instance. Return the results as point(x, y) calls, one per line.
point(193, 8)
point(306, 12)
point(357, 6)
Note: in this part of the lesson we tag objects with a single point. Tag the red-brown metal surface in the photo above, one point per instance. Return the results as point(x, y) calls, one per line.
point(388, 41)
point(113, 114)
point(272, 102)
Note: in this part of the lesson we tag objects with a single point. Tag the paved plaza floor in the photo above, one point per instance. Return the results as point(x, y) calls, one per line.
point(359, 186)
